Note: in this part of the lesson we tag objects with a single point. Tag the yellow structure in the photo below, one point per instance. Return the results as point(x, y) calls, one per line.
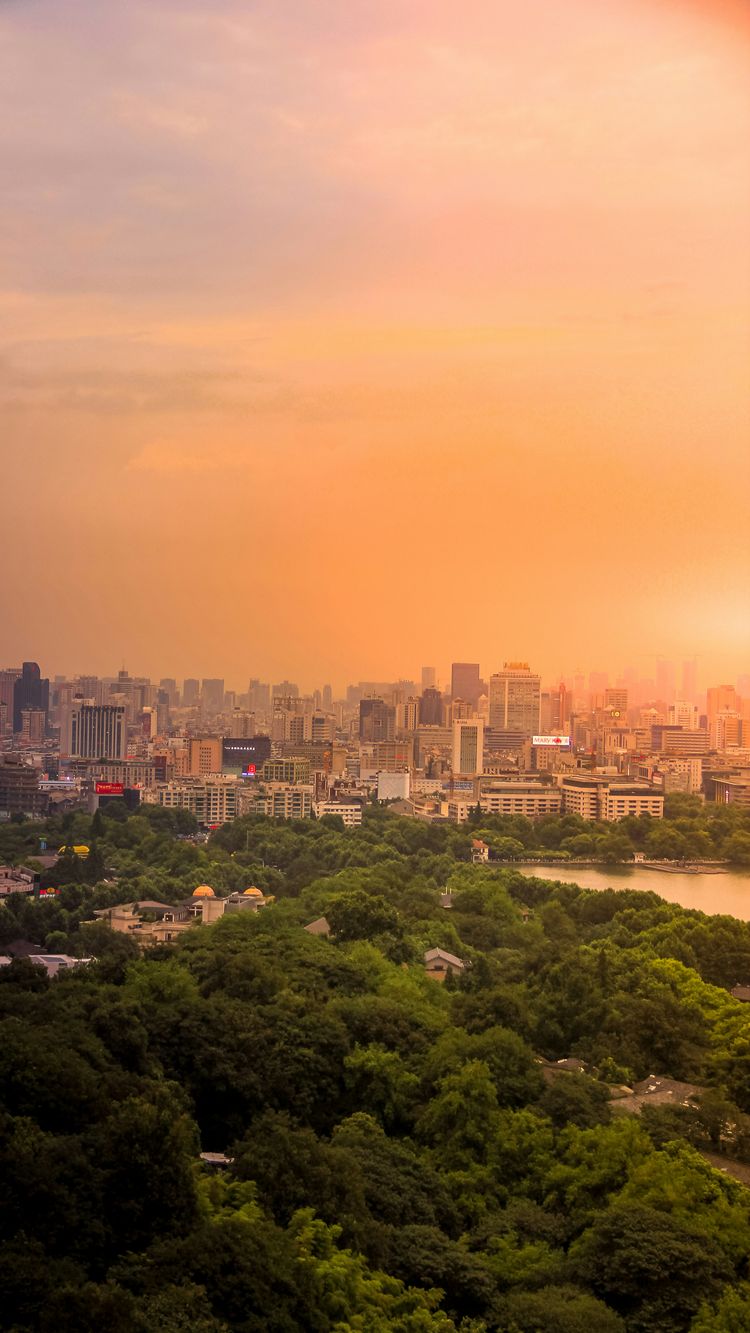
point(252, 892)
point(204, 891)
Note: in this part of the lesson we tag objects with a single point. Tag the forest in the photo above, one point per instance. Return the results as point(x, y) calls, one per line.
point(403, 1153)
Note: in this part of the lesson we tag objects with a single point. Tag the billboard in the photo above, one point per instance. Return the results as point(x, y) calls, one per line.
point(248, 770)
point(109, 788)
point(560, 741)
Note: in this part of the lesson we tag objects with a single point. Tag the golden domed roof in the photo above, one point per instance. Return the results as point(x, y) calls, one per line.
point(204, 891)
point(253, 892)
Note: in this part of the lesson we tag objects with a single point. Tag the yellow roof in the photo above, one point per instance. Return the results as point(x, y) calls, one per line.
point(253, 892)
point(204, 891)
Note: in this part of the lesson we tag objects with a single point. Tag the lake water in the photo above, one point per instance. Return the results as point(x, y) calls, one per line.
point(726, 894)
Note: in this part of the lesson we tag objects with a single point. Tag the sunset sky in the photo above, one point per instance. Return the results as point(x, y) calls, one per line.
point(343, 336)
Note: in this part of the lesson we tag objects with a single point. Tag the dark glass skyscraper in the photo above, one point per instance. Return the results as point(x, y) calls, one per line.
point(31, 690)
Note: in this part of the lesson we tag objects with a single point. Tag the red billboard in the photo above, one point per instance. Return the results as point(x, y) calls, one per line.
point(110, 788)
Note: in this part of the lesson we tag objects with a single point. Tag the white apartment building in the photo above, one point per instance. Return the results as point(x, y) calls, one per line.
point(595, 796)
point(277, 800)
point(521, 798)
point(350, 811)
point(212, 800)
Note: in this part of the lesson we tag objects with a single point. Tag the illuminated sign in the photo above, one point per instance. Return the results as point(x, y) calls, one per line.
point(248, 771)
point(109, 788)
point(560, 741)
point(49, 893)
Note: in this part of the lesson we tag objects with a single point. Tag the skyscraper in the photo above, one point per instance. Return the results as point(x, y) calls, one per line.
point(428, 678)
point(212, 695)
point(96, 731)
point(515, 699)
point(190, 692)
point(465, 682)
point(376, 720)
point(468, 745)
point(31, 690)
point(431, 708)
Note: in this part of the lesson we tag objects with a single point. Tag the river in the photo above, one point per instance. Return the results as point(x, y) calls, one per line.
point(726, 894)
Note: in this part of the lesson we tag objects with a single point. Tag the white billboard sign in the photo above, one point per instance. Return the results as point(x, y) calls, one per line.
point(560, 741)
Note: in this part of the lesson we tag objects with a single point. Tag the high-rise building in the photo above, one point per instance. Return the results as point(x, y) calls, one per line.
point(468, 743)
point(719, 699)
point(465, 682)
point(169, 685)
point(617, 698)
point(327, 698)
point(683, 714)
point(212, 695)
point(8, 679)
point(205, 756)
point(515, 699)
point(191, 689)
point(30, 690)
point(377, 720)
point(429, 678)
point(33, 725)
point(431, 708)
point(95, 731)
point(286, 689)
point(561, 704)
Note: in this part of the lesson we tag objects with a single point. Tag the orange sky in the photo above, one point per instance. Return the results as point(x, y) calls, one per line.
point(339, 338)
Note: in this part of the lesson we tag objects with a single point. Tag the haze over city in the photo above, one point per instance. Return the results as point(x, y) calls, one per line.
point(340, 338)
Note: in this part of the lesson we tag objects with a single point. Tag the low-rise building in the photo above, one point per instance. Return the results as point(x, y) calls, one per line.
point(601, 796)
point(349, 811)
point(438, 963)
point(277, 800)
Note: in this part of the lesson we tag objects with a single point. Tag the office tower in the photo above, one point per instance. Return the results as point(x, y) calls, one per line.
point(33, 725)
point(212, 695)
point(95, 731)
point(190, 692)
point(407, 715)
point(468, 745)
point(560, 708)
point(683, 714)
point(465, 682)
point(89, 687)
point(4, 723)
point(286, 689)
point(30, 690)
point(205, 755)
point(429, 678)
point(376, 720)
point(666, 681)
point(617, 699)
point(515, 699)
point(169, 686)
point(719, 698)
point(431, 708)
point(8, 679)
point(725, 729)
point(163, 704)
point(327, 698)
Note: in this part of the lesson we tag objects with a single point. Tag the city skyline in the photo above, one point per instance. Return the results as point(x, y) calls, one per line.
point(337, 334)
point(668, 679)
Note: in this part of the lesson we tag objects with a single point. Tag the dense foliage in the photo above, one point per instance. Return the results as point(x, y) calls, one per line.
point(404, 1155)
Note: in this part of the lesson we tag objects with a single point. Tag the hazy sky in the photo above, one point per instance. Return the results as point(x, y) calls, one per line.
point(344, 336)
